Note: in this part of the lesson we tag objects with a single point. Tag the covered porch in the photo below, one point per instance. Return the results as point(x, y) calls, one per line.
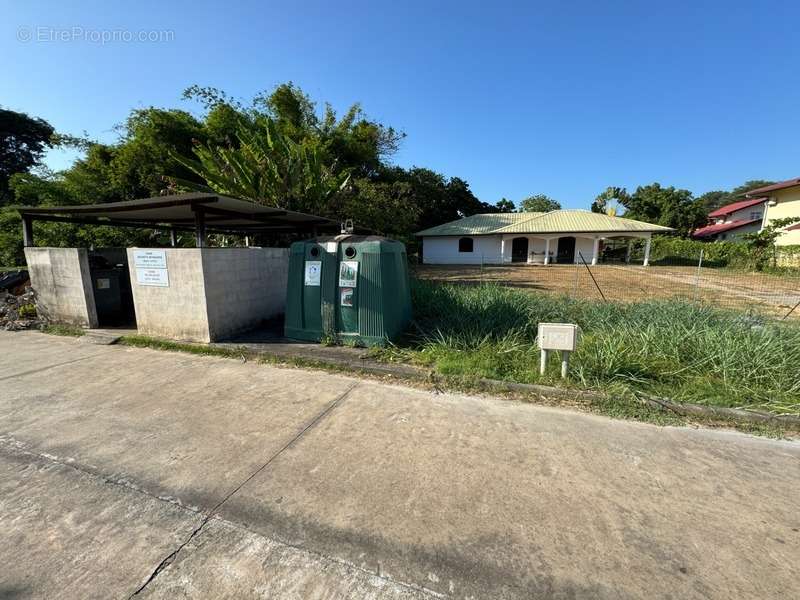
point(566, 248)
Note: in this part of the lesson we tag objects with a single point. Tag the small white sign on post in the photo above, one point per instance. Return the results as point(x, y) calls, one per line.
point(151, 259)
point(154, 277)
point(557, 336)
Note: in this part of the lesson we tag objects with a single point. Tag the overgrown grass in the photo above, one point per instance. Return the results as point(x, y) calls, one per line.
point(671, 348)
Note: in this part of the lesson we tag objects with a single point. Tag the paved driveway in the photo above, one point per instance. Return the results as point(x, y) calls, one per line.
point(128, 472)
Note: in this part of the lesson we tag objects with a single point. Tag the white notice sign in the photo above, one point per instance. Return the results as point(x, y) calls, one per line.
point(313, 272)
point(156, 277)
point(151, 259)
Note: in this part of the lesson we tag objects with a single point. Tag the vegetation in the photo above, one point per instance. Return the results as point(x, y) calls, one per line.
point(668, 206)
point(64, 329)
point(278, 149)
point(538, 203)
point(674, 349)
point(23, 141)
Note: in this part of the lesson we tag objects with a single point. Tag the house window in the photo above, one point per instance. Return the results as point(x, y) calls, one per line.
point(465, 245)
point(755, 215)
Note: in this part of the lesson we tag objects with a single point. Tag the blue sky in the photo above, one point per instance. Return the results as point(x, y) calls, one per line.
point(560, 98)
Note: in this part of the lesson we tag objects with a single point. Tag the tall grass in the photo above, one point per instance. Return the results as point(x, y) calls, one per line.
point(673, 348)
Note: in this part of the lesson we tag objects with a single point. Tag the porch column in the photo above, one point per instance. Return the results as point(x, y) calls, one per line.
point(595, 250)
point(502, 249)
point(647, 252)
point(628, 252)
point(547, 251)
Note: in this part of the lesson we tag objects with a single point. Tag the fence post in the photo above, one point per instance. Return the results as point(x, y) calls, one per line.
point(577, 276)
point(697, 277)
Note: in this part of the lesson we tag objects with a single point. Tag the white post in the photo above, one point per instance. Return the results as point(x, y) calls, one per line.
point(647, 252)
point(628, 252)
point(543, 362)
point(564, 364)
point(595, 250)
point(502, 249)
point(547, 251)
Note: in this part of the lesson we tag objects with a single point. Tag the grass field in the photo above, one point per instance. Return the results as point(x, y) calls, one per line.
point(773, 295)
point(670, 348)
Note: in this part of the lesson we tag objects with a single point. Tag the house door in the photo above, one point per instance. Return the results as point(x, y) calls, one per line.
point(566, 250)
point(519, 249)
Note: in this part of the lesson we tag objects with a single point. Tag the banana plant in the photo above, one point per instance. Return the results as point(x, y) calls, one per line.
point(267, 167)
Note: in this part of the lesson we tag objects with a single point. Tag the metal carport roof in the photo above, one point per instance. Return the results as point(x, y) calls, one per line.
point(199, 212)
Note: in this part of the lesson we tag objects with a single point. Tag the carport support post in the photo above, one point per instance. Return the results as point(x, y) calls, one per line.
point(647, 252)
point(200, 228)
point(173, 237)
point(628, 253)
point(547, 251)
point(595, 250)
point(27, 231)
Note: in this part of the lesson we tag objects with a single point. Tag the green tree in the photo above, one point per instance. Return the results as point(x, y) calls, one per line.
point(669, 206)
point(539, 203)
point(23, 141)
point(713, 200)
point(505, 206)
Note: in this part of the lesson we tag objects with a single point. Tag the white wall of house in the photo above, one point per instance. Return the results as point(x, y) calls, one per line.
point(746, 214)
point(444, 251)
point(497, 249)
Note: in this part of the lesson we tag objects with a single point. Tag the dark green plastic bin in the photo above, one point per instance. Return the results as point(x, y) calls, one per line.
point(349, 288)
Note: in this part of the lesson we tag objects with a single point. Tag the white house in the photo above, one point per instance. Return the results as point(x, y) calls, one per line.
point(559, 236)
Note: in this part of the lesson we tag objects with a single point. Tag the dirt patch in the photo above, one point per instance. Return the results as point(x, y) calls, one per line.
point(773, 295)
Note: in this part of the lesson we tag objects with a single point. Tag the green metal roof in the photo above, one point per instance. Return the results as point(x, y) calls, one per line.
point(557, 221)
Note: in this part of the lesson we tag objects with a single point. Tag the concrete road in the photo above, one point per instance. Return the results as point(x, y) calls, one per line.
point(128, 472)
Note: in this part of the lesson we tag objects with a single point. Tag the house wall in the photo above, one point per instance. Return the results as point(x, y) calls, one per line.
point(583, 246)
point(63, 284)
point(487, 249)
point(745, 214)
point(444, 251)
point(244, 287)
point(787, 205)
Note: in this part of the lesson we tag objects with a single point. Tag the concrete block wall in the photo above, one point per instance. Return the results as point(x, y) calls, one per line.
point(244, 287)
point(213, 293)
point(179, 311)
point(63, 284)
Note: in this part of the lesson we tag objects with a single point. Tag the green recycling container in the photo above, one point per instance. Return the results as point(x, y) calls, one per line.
point(348, 288)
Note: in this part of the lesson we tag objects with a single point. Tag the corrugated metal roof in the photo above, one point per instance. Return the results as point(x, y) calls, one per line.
point(557, 221)
point(478, 224)
point(709, 230)
point(733, 207)
point(781, 185)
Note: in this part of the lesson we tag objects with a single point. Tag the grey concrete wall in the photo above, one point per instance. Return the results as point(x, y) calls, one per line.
point(213, 293)
point(178, 311)
point(63, 284)
point(244, 287)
